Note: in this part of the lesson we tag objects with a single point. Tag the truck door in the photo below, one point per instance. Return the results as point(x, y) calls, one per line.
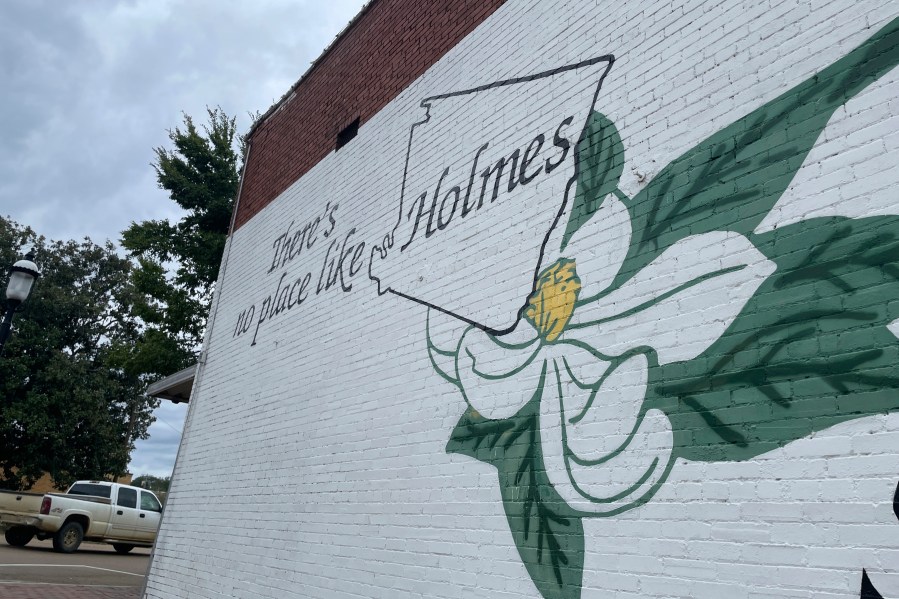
point(124, 514)
point(148, 516)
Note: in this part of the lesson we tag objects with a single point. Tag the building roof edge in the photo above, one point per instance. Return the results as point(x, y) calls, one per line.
point(285, 99)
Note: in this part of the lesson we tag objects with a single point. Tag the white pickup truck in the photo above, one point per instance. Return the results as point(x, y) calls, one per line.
point(123, 515)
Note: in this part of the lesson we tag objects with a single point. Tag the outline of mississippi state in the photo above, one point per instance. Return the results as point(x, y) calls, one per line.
point(487, 178)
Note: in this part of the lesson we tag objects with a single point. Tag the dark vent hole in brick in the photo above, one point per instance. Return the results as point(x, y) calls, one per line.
point(348, 133)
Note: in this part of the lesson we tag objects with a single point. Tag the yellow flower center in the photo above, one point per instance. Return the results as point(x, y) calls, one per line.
point(552, 303)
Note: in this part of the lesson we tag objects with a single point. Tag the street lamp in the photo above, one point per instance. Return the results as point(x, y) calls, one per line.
point(22, 275)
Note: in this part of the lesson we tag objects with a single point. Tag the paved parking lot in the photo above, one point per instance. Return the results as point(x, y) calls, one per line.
point(95, 571)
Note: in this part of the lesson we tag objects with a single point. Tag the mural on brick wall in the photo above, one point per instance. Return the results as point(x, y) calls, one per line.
point(588, 397)
point(676, 324)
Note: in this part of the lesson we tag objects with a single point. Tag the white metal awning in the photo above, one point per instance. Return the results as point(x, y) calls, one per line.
point(175, 387)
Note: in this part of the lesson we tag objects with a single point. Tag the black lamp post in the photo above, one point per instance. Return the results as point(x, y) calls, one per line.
point(22, 276)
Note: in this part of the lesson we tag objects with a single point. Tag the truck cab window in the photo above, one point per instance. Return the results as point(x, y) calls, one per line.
point(91, 490)
point(127, 498)
point(149, 503)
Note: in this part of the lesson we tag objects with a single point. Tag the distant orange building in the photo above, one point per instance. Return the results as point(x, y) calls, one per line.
point(45, 484)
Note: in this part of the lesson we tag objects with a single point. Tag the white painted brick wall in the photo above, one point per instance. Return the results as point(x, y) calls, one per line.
point(314, 462)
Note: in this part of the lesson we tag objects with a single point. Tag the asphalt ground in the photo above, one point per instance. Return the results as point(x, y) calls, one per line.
point(95, 571)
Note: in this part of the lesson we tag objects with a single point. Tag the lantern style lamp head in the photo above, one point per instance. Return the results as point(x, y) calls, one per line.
point(21, 278)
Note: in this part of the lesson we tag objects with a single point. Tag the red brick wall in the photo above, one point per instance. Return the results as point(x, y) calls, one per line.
point(388, 47)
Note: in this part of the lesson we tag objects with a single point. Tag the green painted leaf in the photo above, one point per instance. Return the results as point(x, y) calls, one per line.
point(477, 437)
point(548, 534)
point(600, 162)
point(730, 181)
point(810, 349)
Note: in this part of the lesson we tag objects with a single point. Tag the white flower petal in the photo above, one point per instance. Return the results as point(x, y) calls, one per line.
point(604, 423)
point(443, 335)
point(497, 378)
point(598, 248)
point(616, 480)
point(445, 364)
point(524, 333)
point(581, 369)
point(894, 327)
point(444, 330)
point(680, 303)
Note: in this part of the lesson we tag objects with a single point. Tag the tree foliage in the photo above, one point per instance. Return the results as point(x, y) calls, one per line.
point(99, 326)
point(156, 484)
point(70, 404)
point(177, 264)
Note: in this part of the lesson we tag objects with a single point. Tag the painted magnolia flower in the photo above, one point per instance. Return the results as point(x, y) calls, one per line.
point(585, 350)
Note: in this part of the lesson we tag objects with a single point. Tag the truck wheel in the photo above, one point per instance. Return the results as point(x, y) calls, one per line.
point(68, 538)
point(122, 547)
point(19, 536)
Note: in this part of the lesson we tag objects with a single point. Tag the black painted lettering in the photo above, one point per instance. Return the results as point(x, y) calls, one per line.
point(497, 170)
point(466, 207)
point(561, 142)
point(329, 265)
point(356, 263)
point(530, 154)
point(430, 230)
point(282, 301)
point(248, 320)
point(290, 301)
point(244, 320)
point(331, 219)
point(277, 309)
point(304, 293)
point(238, 328)
point(310, 239)
point(457, 193)
point(297, 240)
point(278, 246)
point(263, 314)
point(281, 296)
point(285, 247)
point(344, 254)
point(420, 202)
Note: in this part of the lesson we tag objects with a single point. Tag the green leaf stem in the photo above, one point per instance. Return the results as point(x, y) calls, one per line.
point(548, 534)
point(810, 349)
point(600, 162)
point(730, 181)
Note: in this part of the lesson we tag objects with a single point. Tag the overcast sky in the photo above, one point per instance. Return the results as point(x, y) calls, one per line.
point(89, 88)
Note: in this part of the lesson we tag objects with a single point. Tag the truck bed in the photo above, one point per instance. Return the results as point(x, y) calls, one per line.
point(20, 502)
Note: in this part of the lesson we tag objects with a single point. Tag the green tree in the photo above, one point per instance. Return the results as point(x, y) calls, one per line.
point(156, 484)
point(69, 404)
point(177, 264)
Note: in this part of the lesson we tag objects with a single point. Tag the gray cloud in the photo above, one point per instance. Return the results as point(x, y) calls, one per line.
point(156, 455)
point(90, 88)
